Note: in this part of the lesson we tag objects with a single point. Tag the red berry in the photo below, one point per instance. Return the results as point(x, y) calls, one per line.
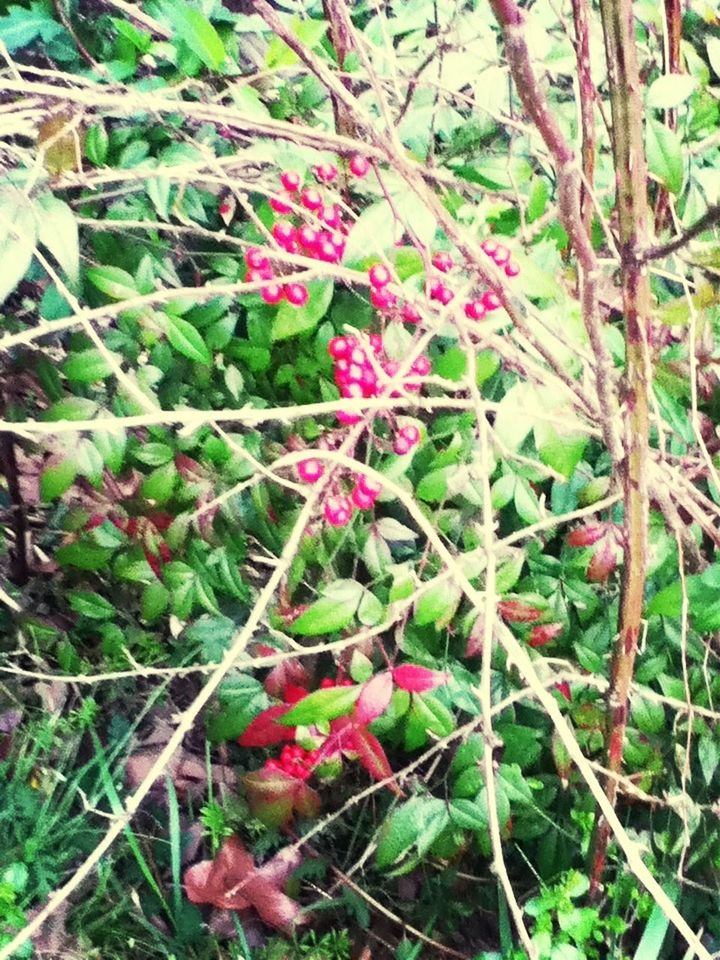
point(512, 269)
point(254, 276)
point(279, 205)
point(411, 434)
point(475, 310)
point(326, 172)
point(338, 347)
point(256, 259)
point(310, 470)
point(307, 237)
point(326, 683)
point(501, 255)
point(489, 247)
point(311, 198)
point(359, 166)
point(443, 262)
point(294, 694)
point(372, 488)
point(326, 251)
point(338, 511)
point(491, 301)
point(338, 241)
point(330, 216)
point(283, 231)
point(410, 314)
point(347, 419)
point(439, 291)
point(290, 180)
point(379, 275)
point(272, 293)
point(361, 499)
point(382, 299)
point(296, 294)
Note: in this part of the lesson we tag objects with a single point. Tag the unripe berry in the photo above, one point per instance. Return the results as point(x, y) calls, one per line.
point(442, 261)
point(272, 293)
point(283, 231)
point(290, 180)
point(491, 301)
point(338, 511)
point(512, 269)
point(326, 172)
point(256, 258)
point(379, 275)
point(410, 314)
point(310, 471)
point(311, 198)
point(297, 294)
point(475, 310)
point(359, 166)
point(361, 499)
point(279, 205)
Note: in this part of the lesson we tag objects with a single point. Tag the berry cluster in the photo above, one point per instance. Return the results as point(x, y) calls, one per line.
point(260, 268)
point(478, 308)
point(295, 762)
point(358, 375)
point(338, 509)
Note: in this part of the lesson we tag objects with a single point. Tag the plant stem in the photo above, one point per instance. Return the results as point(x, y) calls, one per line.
point(631, 179)
point(587, 102)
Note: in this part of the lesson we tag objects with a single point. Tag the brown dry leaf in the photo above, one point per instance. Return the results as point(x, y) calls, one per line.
point(232, 882)
point(189, 775)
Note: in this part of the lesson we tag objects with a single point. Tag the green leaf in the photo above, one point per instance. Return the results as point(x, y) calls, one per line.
point(91, 605)
point(154, 601)
point(469, 814)
point(56, 479)
point(709, 757)
point(159, 485)
point(332, 612)
point(18, 233)
point(154, 454)
point(58, 232)
point(111, 447)
point(72, 408)
point(649, 717)
point(113, 282)
point(187, 340)
point(198, 33)
point(651, 942)
point(83, 554)
point(670, 90)
point(87, 366)
point(664, 153)
point(452, 364)
point(309, 32)
point(562, 452)
point(375, 231)
point(667, 602)
point(291, 321)
point(419, 821)
point(437, 605)
point(321, 707)
point(21, 25)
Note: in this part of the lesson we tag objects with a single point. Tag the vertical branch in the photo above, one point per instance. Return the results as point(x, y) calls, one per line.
point(587, 102)
point(671, 56)
point(19, 571)
point(631, 179)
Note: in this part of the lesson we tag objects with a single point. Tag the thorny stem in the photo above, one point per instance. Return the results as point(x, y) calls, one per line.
point(587, 101)
point(631, 178)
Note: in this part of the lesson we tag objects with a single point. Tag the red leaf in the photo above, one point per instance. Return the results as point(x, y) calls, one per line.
point(416, 679)
point(372, 756)
point(544, 633)
point(515, 611)
point(563, 688)
point(586, 536)
point(264, 731)
point(374, 698)
point(288, 673)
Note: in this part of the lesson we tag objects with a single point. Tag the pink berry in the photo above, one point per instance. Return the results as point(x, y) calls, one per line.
point(410, 314)
point(382, 299)
point(279, 205)
point(491, 301)
point(338, 347)
point(379, 275)
point(330, 216)
point(489, 247)
point(311, 198)
point(256, 259)
point(297, 294)
point(361, 499)
point(475, 310)
point(401, 446)
point(351, 390)
point(307, 237)
point(376, 343)
point(439, 291)
point(359, 166)
point(371, 488)
point(272, 293)
point(326, 251)
point(501, 255)
point(264, 273)
point(391, 367)
point(368, 382)
point(310, 471)
point(326, 172)
point(290, 180)
point(284, 232)
point(338, 241)
point(347, 419)
point(443, 262)
point(354, 373)
point(512, 269)
point(338, 511)
point(411, 434)
point(422, 366)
